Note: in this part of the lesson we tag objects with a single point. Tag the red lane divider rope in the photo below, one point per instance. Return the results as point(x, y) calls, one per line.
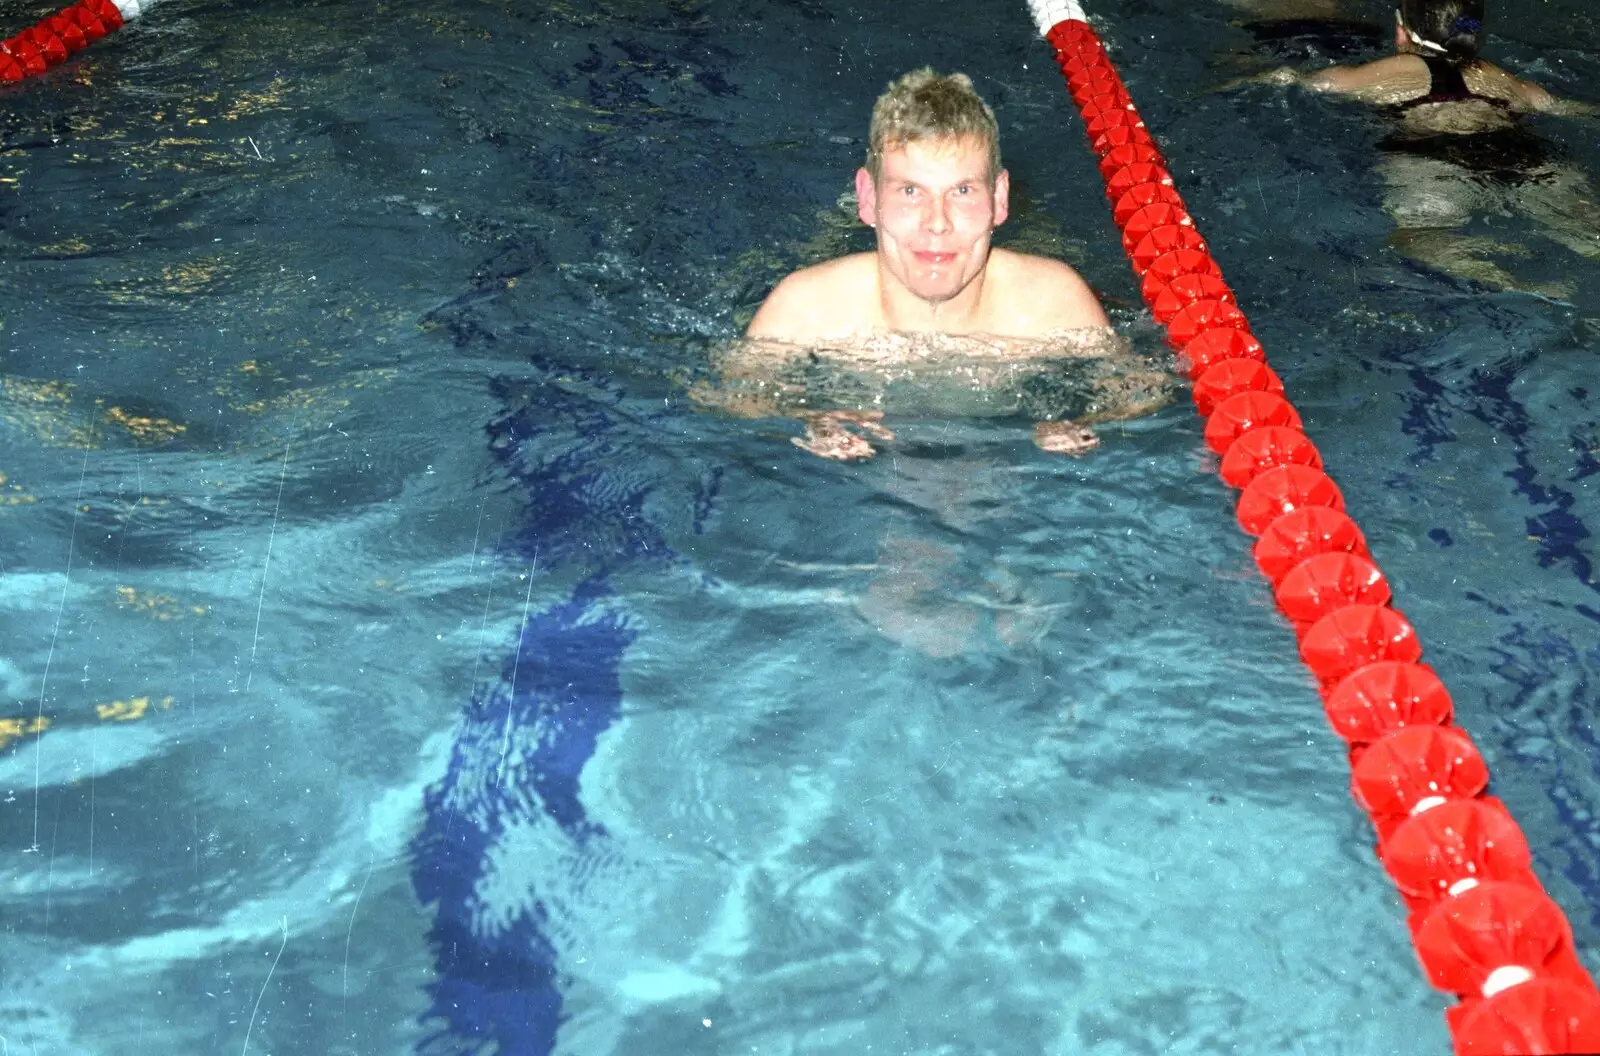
point(1481, 923)
point(64, 33)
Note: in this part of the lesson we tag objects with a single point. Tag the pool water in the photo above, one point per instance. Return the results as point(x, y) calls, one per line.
point(398, 661)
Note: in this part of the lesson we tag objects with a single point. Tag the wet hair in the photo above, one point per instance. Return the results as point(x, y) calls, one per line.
point(923, 105)
point(1454, 26)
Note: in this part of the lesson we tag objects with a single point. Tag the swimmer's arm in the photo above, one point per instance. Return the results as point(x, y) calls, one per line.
point(1530, 96)
point(1316, 80)
point(711, 397)
point(748, 380)
point(1381, 81)
point(1492, 82)
point(1132, 395)
point(1489, 79)
point(1281, 75)
point(1571, 108)
point(1384, 80)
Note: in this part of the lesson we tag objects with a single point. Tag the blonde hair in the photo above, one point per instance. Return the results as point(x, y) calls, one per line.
point(924, 105)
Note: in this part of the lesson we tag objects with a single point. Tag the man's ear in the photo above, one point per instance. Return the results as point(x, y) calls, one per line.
point(1002, 197)
point(866, 198)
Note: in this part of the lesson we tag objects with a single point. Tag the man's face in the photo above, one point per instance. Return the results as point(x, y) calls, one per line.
point(934, 208)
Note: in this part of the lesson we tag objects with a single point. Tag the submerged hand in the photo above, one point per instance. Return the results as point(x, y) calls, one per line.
point(1572, 108)
point(827, 437)
point(1064, 438)
point(708, 397)
point(1280, 75)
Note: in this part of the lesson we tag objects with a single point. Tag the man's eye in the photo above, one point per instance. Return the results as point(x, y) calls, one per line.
point(908, 191)
point(965, 188)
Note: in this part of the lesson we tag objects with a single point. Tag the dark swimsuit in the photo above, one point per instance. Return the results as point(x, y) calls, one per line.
point(1446, 84)
point(1508, 155)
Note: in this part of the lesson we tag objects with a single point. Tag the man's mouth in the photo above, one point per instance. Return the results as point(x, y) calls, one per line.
point(925, 256)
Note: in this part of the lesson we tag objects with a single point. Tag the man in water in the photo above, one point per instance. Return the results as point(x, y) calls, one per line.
point(934, 190)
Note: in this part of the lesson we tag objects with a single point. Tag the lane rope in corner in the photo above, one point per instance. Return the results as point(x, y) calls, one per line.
point(55, 39)
point(1482, 925)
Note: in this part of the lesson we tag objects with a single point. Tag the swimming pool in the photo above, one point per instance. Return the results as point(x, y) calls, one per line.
point(344, 388)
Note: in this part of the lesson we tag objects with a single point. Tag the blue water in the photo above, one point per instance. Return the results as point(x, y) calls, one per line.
point(399, 663)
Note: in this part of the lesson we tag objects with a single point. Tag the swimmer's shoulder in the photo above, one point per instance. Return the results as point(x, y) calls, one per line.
point(1489, 81)
point(1037, 296)
point(833, 299)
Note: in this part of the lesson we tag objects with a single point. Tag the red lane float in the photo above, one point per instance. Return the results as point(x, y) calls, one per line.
point(1483, 927)
point(1244, 411)
point(1349, 638)
point(1167, 298)
point(1205, 350)
point(68, 31)
point(1327, 583)
point(1140, 195)
point(1493, 937)
point(1281, 489)
point(1408, 771)
point(1264, 448)
point(1149, 168)
point(1383, 697)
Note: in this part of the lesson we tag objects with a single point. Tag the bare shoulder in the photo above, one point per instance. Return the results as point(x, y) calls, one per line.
point(827, 300)
point(1487, 79)
point(1036, 296)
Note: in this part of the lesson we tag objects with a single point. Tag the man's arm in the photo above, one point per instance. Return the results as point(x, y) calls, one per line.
point(749, 378)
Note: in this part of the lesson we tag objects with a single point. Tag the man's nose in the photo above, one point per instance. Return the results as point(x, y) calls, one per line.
point(938, 220)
